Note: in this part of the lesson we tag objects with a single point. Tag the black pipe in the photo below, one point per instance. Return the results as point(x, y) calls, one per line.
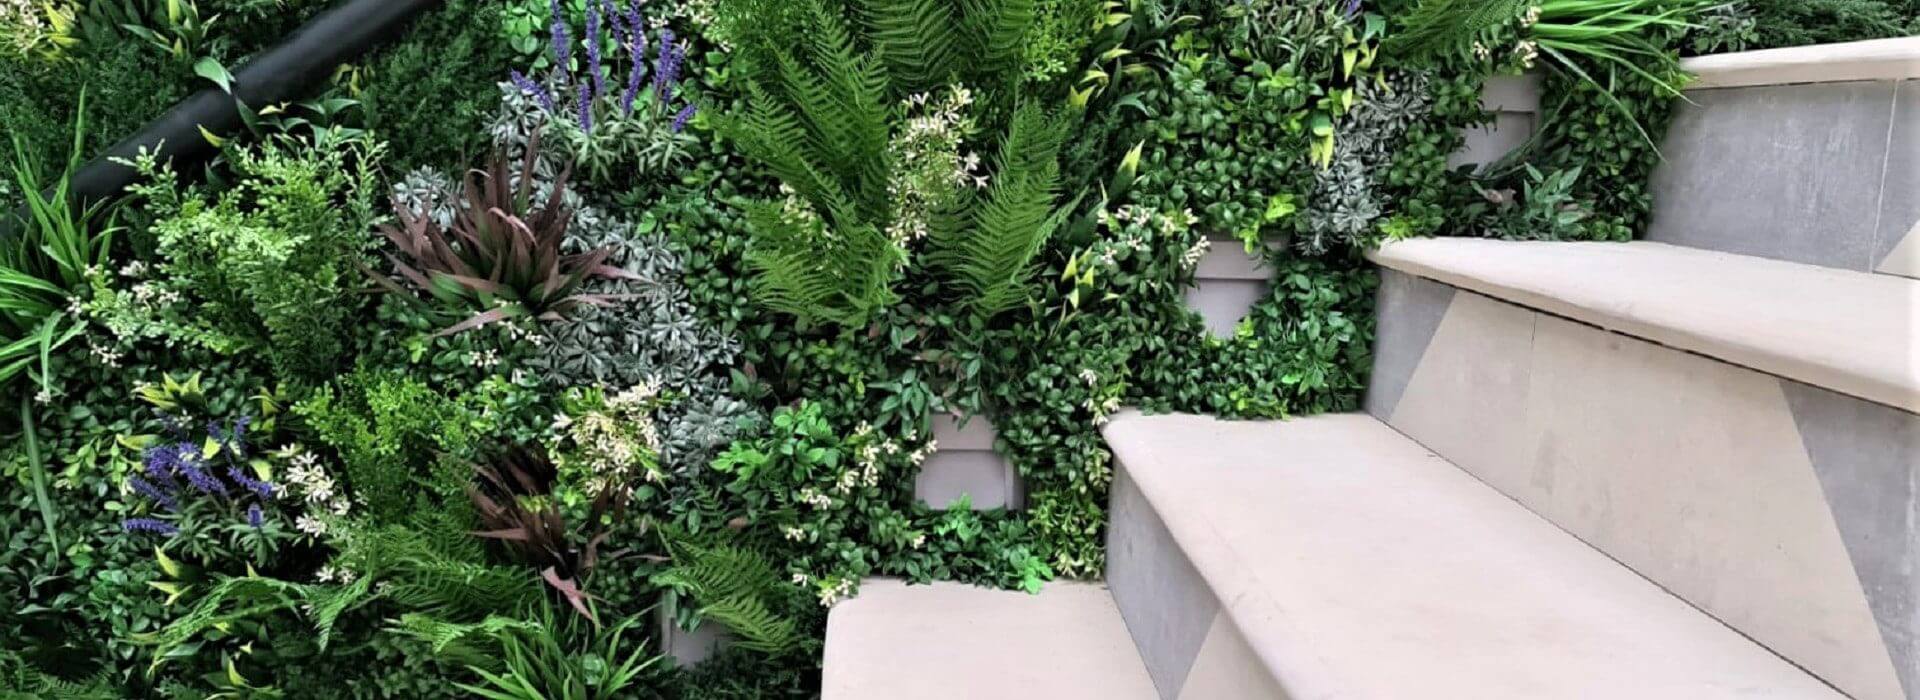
point(282, 73)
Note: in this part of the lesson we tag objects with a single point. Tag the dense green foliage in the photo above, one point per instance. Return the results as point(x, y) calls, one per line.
point(352, 413)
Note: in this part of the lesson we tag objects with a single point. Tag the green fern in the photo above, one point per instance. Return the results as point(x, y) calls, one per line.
point(19, 680)
point(916, 39)
point(1437, 28)
point(738, 588)
point(999, 30)
point(991, 254)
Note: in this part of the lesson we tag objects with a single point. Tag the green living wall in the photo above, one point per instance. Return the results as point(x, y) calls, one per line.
point(552, 323)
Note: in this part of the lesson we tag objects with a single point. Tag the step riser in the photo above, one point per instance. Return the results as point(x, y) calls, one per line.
point(1191, 648)
point(1824, 174)
point(1786, 511)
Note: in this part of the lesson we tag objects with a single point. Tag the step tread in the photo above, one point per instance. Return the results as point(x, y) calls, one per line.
point(1873, 59)
point(951, 640)
point(1851, 332)
point(1360, 565)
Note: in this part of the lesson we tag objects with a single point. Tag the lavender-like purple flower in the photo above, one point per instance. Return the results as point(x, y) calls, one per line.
point(633, 88)
point(637, 41)
point(261, 488)
point(161, 461)
point(157, 527)
point(614, 21)
point(255, 517)
point(593, 47)
point(201, 480)
point(1353, 8)
point(154, 493)
point(562, 49)
point(586, 109)
point(666, 67)
point(680, 120)
point(538, 91)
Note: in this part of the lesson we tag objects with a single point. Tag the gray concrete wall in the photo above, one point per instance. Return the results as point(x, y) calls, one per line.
point(1825, 174)
point(965, 463)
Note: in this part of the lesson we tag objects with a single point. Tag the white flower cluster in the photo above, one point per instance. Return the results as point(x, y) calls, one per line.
point(834, 590)
point(308, 481)
point(927, 164)
point(329, 574)
point(616, 441)
point(1527, 51)
point(868, 458)
point(21, 23)
point(815, 498)
point(1135, 226)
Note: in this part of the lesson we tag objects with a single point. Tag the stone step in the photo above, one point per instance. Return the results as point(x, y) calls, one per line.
point(1737, 430)
point(1331, 557)
point(952, 641)
point(1855, 334)
point(1808, 154)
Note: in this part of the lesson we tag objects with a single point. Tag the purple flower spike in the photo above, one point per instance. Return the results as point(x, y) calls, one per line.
point(1353, 8)
point(161, 460)
point(255, 517)
point(612, 13)
point(586, 109)
point(633, 88)
point(260, 488)
point(538, 92)
point(148, 525)
point(593, 47)
point(634, 23)
point(664, 70)
point(201, 480)
point(562, 49)
point(680, 120)
point(154, 493)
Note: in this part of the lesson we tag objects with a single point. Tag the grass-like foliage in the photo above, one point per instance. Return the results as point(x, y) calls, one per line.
point(542, 656)
point(1595, 40)
point(44, 262)
point(501, 257)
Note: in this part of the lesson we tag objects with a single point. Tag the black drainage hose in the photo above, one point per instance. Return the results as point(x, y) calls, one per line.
point(279, 74)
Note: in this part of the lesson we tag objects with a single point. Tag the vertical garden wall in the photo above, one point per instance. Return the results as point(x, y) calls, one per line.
point(548, 326)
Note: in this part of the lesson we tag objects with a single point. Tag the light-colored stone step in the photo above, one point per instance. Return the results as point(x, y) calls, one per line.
point(1332, 557)
point(1852, 333)
point(1789, 511)
point(952, 641)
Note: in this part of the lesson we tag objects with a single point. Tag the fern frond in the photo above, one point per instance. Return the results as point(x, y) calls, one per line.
point(1437, 28)
point(998, 29)
point(739, 588)
point(916, 39)
point(992, 259)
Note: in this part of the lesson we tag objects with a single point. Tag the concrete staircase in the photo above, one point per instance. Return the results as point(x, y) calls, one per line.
point(1681, 468)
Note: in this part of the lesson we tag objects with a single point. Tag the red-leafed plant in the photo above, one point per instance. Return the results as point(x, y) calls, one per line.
point(517, 505)
point(501, 257)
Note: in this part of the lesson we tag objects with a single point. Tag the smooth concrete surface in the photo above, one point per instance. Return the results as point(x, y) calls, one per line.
point(1167, 606)
point(1688, 470)
point(1227, 282)
point(949, 641)
point(1850, 332)
point(1768, 503)
point(1867, 457)
point(1357, 564)
point(1899, 237)
point(689, 647)
point(1791, 173)
point(1227, 669)
point(1514, 103)
point(965, 463)
point(1878, 59)
point(1417, 306)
